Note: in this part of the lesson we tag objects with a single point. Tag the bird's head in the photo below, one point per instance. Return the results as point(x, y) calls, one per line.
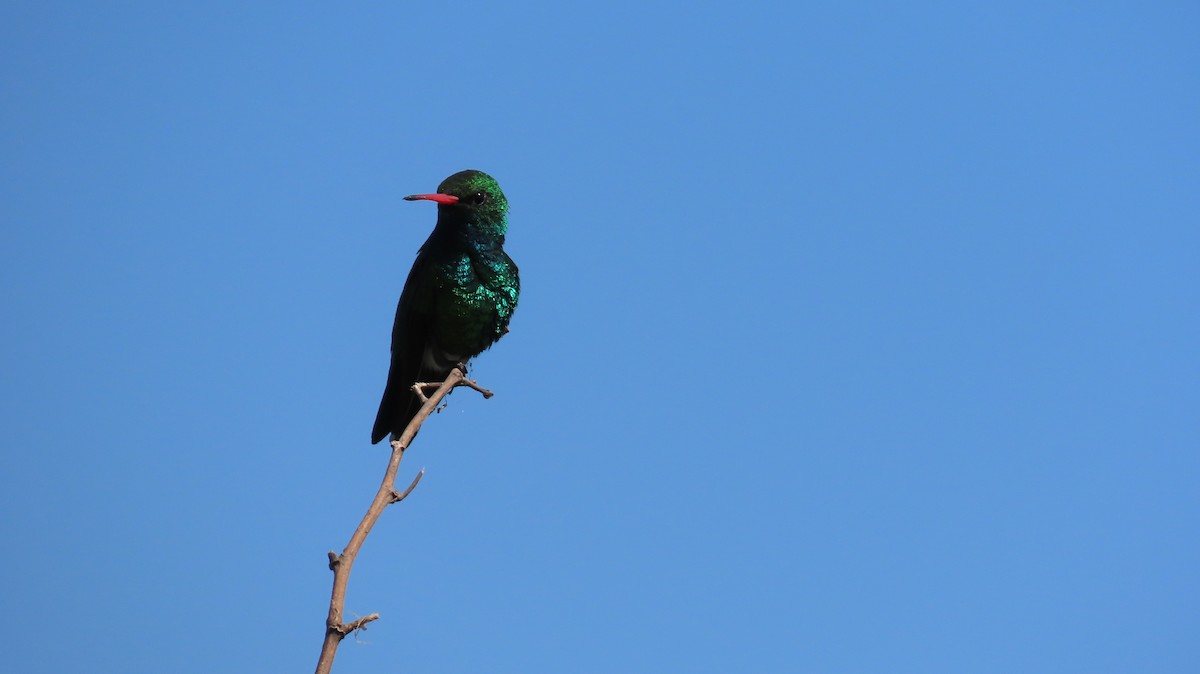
point(472, 196)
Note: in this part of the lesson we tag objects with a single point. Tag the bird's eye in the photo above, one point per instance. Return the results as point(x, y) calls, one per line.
point(479, 198)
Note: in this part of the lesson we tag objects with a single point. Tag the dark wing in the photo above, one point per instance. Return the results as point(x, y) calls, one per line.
point(409, 335)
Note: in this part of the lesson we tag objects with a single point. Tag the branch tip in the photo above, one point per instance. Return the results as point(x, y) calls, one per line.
point(398, 496)
point(471, 383)
point(342, 629)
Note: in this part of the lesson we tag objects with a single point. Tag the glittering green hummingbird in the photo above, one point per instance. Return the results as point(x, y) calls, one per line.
point(459, 296)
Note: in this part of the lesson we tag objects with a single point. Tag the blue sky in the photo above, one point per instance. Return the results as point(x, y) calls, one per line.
point(853, 338)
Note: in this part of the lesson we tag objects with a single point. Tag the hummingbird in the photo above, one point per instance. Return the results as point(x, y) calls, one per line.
point(459, 296)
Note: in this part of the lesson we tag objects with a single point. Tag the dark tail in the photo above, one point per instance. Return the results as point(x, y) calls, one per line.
point(398, 407)
point(400, 404)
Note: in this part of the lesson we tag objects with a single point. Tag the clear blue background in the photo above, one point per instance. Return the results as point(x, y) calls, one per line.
point(854, 338)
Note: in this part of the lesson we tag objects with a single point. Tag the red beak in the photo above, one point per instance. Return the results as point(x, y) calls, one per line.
point(440, 198)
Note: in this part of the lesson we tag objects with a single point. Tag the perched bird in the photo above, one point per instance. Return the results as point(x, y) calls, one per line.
point(458, 298)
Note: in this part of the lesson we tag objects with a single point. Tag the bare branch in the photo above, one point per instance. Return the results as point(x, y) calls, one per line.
point(335, 629)
point(399, 496)
point(359, 624)
point(470, 383)
point(421, 388)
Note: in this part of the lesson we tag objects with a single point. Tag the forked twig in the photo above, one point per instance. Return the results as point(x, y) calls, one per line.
point(335, 629)
point(397, 497)
point(421, 387)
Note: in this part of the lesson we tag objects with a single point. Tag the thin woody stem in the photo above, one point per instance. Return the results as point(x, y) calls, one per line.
point(335, 629)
